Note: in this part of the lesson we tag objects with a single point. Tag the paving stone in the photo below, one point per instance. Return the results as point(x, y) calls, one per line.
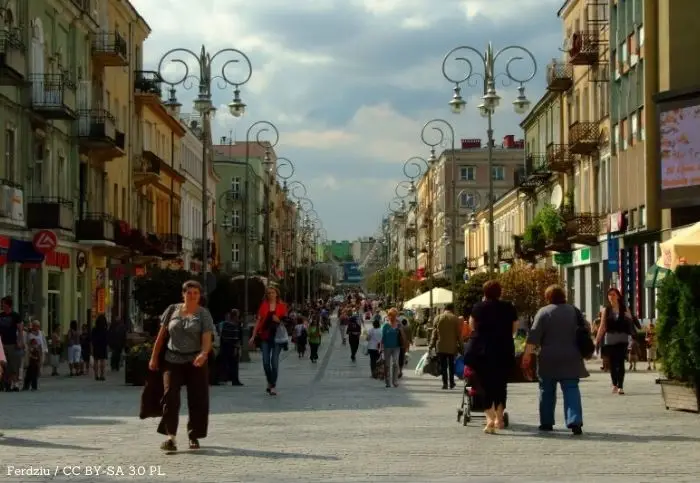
point(333, 423)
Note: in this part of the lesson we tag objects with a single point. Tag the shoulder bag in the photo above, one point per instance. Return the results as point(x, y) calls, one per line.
point(584, 342)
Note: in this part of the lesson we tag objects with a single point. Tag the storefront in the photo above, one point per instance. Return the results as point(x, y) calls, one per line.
point(587, 278)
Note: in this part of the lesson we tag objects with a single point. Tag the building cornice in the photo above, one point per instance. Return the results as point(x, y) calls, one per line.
point(545, 101)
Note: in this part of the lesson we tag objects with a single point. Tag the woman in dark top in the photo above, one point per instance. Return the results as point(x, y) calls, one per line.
point(616, 325)
point(491, 351)
point(100, 342)
point(85, 350)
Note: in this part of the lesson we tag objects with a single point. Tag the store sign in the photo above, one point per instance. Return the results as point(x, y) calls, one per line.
point(613, 254)
point(58, 260)
point(616, 222)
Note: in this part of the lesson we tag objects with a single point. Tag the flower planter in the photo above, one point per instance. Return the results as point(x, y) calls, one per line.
point(680, 396)
point(135, 371)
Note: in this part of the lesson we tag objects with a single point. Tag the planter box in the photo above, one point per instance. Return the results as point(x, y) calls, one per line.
point(420, 342)
point(680, 396)
point(135, 371)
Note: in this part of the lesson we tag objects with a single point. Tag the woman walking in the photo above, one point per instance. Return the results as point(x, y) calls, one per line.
point(74, 348)
point(300, 337)
point(559, 360)
point(185, 336)
point(491, 351)
point(616, 326)
point(270, 315)
point(314, 336)
point(391, 341)
point(100, 343)
point(374, 343)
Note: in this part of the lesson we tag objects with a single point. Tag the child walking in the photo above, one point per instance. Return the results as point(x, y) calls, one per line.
point(31, 375)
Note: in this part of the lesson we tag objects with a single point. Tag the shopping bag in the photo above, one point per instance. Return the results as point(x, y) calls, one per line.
point(459, 367)
point(421, 364)
point(432, 367)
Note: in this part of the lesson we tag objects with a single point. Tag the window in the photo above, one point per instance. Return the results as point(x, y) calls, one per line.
point(632, 42)
point(623, 134)
point(616, 137)
point(634, 132)
point(640, 35)
point(62, 177)
point(236, 185)
point(498, 173)
point(467, 173)
point(236, 253)
point(467, 200)
point(10, 153)
point(624, 53)
point(115, 200)
point(236, 219)
point(38, 172)
point(616, 71)
point(124, 217)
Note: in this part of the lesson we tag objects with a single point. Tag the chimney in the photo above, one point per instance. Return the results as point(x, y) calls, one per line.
point(509, 141)
point(471, 143)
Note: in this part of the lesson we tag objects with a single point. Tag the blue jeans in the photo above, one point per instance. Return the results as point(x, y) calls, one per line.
point(271, 361)
point(573, 411)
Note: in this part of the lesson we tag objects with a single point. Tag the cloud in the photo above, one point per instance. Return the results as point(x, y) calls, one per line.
point(350, 83)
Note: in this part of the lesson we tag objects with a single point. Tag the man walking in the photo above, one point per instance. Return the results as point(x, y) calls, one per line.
point(354, 332)
point(230, 346)
point(447, 339)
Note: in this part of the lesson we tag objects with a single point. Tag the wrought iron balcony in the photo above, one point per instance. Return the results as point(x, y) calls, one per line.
point(560, 76)
point(560, 243)
point(109, 49)
point(560, 159)
point(146, 169)
point(584, 228)
point(148, 86)
point(95, 227)
point(506, 254)
point(584, 47)
point(98, 135)
point(584, 137)
point(48, 213)
point(12, 58)
point(53, 96)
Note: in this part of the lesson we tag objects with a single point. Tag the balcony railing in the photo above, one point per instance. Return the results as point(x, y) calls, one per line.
point(171, 243)
point(12, 57)
point(95, 226)
point(146, 169)
point(97, 129)
point(110, 49)
point(53, 96)
point(560, 159)
point(584, 47)
point(560, 76)
point(584, 137)
point(50, 213)
point(584, 228)
point(506, 254)
point(148, 86)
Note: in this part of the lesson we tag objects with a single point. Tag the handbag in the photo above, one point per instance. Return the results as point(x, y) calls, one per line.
point(584, 342)
point(281, 335)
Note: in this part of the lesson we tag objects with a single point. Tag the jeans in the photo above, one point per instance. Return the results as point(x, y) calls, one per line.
point(573, 411)
point(391, 365)
point(373, 358)
point(271, 361)
point(617, 354)
point(313, 347)
point(447, 368)
point(354, 341)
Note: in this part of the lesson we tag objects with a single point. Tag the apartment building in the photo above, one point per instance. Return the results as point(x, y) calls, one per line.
point(468, 168)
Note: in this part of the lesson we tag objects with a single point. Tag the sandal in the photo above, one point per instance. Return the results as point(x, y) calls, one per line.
point(194, 444)
point(168, 446)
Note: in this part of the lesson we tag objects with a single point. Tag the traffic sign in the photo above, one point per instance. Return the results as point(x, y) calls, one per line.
point(45, 241)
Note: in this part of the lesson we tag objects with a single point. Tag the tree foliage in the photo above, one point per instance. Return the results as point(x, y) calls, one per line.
point(524, 286)
point(386, 281)
point(230, 294)
point(470, 293)
point(159, 288)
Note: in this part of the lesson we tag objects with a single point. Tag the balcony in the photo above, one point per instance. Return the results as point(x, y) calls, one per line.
point(560, 76)
point(146, 169)
point(560, 158)
point(505, 254)
point(12, 58)
point(584, 228)
point(147, 87)
point(95, 227)
point(584, 137)
point(98, 135)
point(122, 232)
point(472, 263)
point(109, 49)
point(48, 213)
point(153, 246)
point(53, 97)
point(171, 244)
point(584, 48)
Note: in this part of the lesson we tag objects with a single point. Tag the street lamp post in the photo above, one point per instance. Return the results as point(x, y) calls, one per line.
point(489, 101)
point(204, 106)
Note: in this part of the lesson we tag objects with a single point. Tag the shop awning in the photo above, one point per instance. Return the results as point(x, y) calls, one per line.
point(22, 251)
point(655, 276)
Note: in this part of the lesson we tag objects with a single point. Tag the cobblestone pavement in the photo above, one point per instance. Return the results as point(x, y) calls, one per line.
point(332, 423)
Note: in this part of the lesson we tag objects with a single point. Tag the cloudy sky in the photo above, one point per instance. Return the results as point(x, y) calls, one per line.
point(350, 83)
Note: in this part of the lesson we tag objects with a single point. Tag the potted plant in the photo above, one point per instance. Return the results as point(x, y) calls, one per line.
point(533, 238)
point(678, 338)
point(136, 364)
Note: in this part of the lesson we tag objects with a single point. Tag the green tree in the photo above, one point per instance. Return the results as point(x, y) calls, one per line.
point(524, 287)
point(159, 288)
point(470, 293)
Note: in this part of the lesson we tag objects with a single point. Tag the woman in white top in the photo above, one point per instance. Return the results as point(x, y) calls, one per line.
point(374, 342)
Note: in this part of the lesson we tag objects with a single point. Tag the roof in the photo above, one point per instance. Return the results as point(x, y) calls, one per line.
point(566, 5)
point(238, 150)
point(546, 99)
point(138, 15)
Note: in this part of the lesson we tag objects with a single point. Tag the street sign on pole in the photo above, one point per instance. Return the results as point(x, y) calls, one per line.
point(45, 241)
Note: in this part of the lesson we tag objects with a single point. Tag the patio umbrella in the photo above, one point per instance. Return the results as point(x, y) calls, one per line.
point(682, 249)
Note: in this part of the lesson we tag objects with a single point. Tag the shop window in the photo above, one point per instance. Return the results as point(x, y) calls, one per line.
point(54, 300)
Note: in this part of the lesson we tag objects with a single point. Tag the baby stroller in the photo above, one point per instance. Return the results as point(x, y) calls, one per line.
point(472, 399)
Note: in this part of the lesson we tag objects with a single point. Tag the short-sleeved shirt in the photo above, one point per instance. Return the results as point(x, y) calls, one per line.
point(185, 332)
point(9, 325)
point(390, 336)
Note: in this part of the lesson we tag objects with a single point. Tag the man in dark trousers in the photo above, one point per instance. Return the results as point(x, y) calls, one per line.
point(230, 346)
point(354, 330)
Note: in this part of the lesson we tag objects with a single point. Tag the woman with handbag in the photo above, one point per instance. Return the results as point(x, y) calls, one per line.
point(270, 332)
point(182, 348)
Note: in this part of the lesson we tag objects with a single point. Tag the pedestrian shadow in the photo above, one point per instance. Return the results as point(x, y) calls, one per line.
point(33, 443)
point(523, 430)
point(50, 420)
point(252, 453)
